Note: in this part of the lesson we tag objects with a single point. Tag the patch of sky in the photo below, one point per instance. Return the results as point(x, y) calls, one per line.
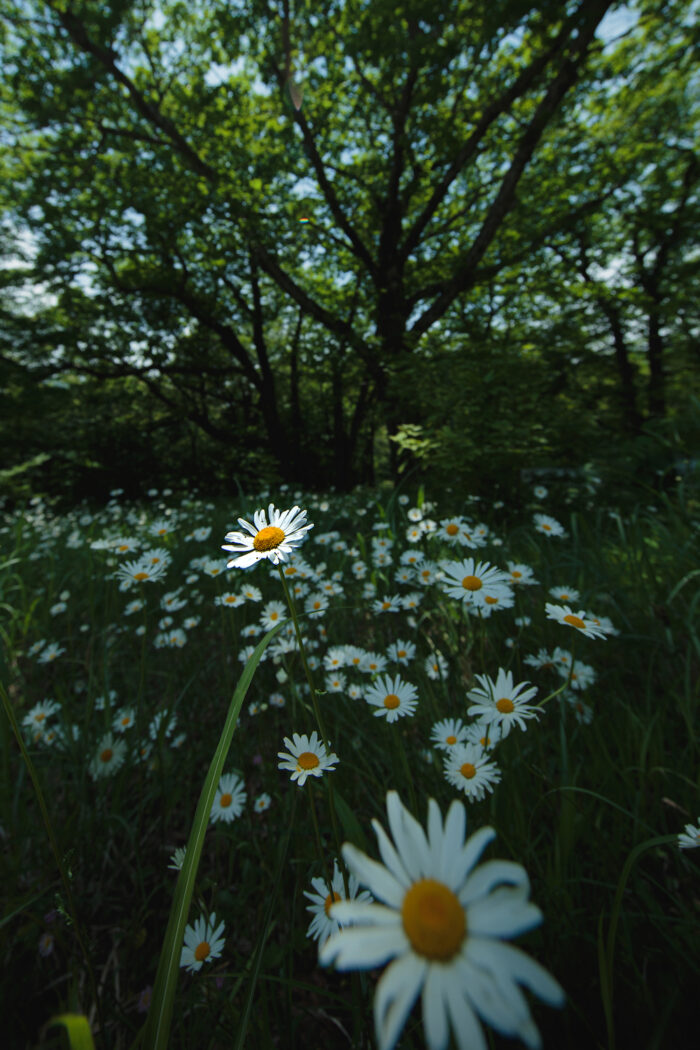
point(616, 23)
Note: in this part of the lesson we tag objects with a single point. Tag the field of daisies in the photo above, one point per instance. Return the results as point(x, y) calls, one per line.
point(385, 769)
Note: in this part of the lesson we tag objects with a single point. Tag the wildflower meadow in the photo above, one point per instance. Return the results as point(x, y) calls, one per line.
point(378, 769)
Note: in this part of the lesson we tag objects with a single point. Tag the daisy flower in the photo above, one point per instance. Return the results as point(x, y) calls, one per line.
point(392, 697)
point(689, 838)
point(272, 614)
point(563, 615)
point(335, 658)
point(306, 757)
point(335, 683)
point(262, 803)
point(322, 925)
point(465, 580)
point(124, 720)
point(178, 858)
point(565, 594)
point(142, 570)
point(51, 652)
point(229, 800)
point(520, 575)
point(484, 735)
point(372, 663)
point(391, 603)
point(315, 605)
point(203, 942)
point(401, 652)
point(548, 526)
point(441, 925)
point(501, 702)
point(110, 756)
point(450, 529)
point(436, 666)
point(229, 600)
point(448, 733)
point(36, 718)
point(469, 769)
point(273, 536)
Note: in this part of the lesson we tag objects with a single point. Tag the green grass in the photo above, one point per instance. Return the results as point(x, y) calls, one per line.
point(580, 803)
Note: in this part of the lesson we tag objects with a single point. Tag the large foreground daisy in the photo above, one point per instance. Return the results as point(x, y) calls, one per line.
point(442, 922)
point(272, 536)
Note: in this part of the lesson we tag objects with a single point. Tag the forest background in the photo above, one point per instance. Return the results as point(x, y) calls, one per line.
point(276, 240)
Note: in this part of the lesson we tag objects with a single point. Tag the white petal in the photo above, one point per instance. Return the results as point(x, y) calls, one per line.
point(434, 1009)
point(363, 947)
point(488, 875)
point(378, 879)
point(361, 913)
point(488, 1000)
point(502, 914)
point(522, 969)
point(435, 837)
point(390, 856)
point(452, 843)
point(395, 994)
point(245, 560)
point(411, 843)
point(465, 859)
point(468, 1032)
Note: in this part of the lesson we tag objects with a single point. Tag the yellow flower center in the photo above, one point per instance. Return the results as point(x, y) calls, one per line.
point(125, 720)
point(472, 583)
point(467, 770)
point(386, 605)
point(140, 576)
point(40, 717)
point(490, 600)
point(317, 605)
point(451, 740)
point(574, 621)
point(268, 538)
point(485, 741)
point(201, 952)
point(230, 599)
point(452, 529)
point(547, 528)
point(505, 706)
point(563, 596)
point(391, 701)
point(515, 574)
point(331, 899)
point(226, 800)
point(307, 760)
point(433, 920)
point(290, 570)
point(401, 653)
point(106, 755)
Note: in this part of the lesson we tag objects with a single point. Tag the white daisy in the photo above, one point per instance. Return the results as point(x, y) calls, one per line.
point(466, 579)
point(401, 652)
point(689, 838)
point(229, 800)
point(448, 733)
point(469, 769)
point(110, 756)
point(442, 923)
point(307, 757)
point(272, 536)
point(322, 898)
point(548, 526)
point(262, 803)
point(392, 697)
point(563, 615)
point(501, 702)
point(203, 942)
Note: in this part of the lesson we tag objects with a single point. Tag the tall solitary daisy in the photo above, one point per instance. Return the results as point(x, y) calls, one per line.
point(442, 924)
point(272, 536)
point(203, 942)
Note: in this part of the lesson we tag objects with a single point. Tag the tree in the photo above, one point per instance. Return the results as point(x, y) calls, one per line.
point(164, 157)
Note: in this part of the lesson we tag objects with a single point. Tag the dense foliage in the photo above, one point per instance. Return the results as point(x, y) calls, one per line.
point(248, 239)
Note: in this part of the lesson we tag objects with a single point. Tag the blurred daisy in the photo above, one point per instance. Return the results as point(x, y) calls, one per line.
point(469, 769)
point(563, 615)
point(372, 663)
point(401, 652)
point(51, 652)
point(306, 757)
point(322, 898)
point(335, 683)
point(262, 803)
point(273, 535)
point(229, 600)
point(484, 735)
point(539, 491)
point(110, 756)
point(436, 666)
point(251, 594)
point(229, 800)
point(391, 603)
point(501, 702)
point(392, 697)
point(143, 570)
point(690, 837)
point(124, 720)
point(178, 858)
point(448, 733)
point(565, 594)
point(315, 605)
point(520, 575)
point(548, 526)
point(442, 923)
point(203, 942)
point(36, 717)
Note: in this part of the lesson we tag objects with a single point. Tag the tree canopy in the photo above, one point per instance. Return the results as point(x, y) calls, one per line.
point(292, 229)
